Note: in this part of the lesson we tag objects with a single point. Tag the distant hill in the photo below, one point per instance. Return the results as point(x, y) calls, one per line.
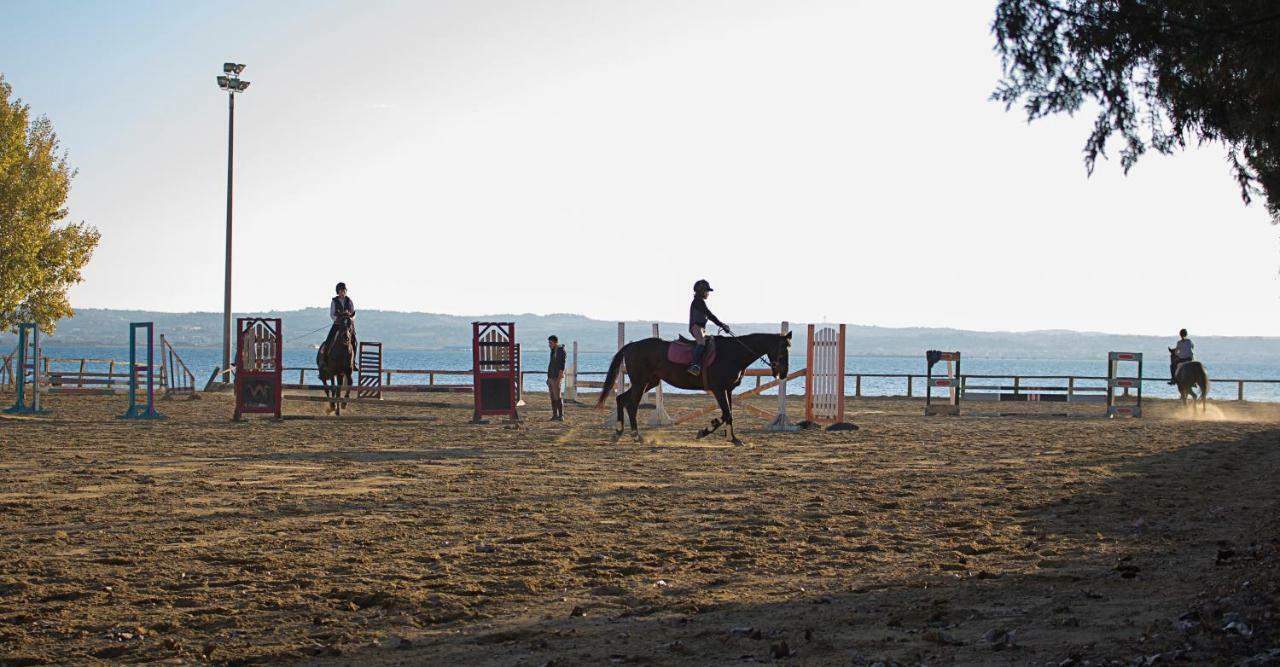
point(430, 331)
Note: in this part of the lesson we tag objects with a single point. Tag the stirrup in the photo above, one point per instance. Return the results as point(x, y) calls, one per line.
point(695, 369)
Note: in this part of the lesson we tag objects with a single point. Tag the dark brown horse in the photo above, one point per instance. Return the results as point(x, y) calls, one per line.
point(1187, 376)
point(647, 365)
point(336, 362)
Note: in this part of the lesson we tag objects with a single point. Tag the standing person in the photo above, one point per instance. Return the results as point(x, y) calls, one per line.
point(341, 308)
point(555, 374)
point(698, 316)
point(1184, 349)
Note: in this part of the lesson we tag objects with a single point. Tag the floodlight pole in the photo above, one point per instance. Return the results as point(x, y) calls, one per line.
point(226, 288)
point(231, 82)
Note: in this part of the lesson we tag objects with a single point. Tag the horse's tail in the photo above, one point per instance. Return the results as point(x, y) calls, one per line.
point(1204, 388)
point(611, 376)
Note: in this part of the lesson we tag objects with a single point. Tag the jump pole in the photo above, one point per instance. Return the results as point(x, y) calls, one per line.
point(28, 338)
point(1115, 381)
point(137, 410)
point(619, 384)
point(949, 382)
point(571, 378)
point(659, 416)
point(780, 423)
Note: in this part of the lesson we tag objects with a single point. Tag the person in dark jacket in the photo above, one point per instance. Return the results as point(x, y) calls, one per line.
point(699, 314)
point(341, 308)
point(555, 374)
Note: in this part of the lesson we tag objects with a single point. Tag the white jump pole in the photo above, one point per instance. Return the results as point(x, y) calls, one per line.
point(659, 416)
point(620, 385)
point(571, 378)
point(780, 423)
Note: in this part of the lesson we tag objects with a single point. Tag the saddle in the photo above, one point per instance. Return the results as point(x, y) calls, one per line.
point(680, 351)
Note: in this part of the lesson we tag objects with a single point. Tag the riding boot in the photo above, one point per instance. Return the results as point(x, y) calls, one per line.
point(696, 367)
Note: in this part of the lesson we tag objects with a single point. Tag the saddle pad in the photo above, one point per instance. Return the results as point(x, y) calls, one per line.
point(681, 352)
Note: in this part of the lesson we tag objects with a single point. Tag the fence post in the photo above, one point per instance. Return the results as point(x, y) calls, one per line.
point(857, 385)
point(1071, 387)
point(909, 386)
point(1240, 390)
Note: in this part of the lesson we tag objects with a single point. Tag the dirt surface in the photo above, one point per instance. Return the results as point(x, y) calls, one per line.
point(969, 540)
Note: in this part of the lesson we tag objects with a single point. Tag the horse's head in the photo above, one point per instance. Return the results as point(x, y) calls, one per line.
point(778, 354)
point(345, 332)
point(1173, 354)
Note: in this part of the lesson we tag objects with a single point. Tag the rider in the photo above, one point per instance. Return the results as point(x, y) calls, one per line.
point(698, 316)
point(341, 308)
point(1183, 350)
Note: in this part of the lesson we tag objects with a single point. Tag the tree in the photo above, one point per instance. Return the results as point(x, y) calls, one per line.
point(1161, 72)
point(39, 259)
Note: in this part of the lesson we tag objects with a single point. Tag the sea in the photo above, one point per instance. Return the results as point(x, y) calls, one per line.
point(592, 365)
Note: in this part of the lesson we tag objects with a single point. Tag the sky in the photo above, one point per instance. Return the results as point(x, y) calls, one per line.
point(816, 161)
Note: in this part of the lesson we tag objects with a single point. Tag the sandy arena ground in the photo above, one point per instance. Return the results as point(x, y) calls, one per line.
point(965, 540)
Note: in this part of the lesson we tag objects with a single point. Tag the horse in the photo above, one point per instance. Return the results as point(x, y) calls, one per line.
point(647, 365)
point(1188, 375)
point(336, 362)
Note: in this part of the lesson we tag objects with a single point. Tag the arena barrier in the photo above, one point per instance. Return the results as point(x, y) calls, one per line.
point(259, 365)
point(139, 410)
point(824, 385)
point(27, 363)
point(177, 379)
point(1124, 405)
point(950, 382)
point(495, 370)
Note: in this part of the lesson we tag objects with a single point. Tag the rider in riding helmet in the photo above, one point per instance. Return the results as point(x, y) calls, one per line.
point(698, 316)
point(340, 308)
point(1183, 349)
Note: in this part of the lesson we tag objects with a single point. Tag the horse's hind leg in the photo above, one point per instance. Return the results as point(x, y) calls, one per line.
point(726, 406)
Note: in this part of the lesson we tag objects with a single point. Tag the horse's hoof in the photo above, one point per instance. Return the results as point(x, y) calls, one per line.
point(737, 443)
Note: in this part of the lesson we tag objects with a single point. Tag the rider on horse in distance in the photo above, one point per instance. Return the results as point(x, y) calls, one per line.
point(341, 312)
point(698, 316)
point(1183, 352)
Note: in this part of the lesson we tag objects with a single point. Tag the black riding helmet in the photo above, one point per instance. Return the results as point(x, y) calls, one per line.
point(340, 287)
point(702, 286)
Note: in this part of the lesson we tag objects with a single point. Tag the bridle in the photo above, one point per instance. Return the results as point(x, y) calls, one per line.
point(773, 367)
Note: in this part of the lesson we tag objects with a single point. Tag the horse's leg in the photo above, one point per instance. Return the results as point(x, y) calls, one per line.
point(637, 391)
point(328, 408)
point(621, 402)
point(725, 399)
point(347, 390)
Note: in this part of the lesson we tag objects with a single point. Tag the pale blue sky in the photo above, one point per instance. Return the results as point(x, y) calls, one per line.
point(814, 160)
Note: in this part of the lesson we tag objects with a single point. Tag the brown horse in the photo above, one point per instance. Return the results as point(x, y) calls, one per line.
point(1187, 376)
point(336, 362)
point(647, 365)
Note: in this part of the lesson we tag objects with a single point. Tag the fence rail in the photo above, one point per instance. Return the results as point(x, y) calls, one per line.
point(909, 380)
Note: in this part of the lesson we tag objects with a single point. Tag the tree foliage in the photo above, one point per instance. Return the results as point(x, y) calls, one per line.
point(39, 259)
point(1161, 72)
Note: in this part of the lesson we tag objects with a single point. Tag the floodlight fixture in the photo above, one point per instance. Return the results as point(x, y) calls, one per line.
point(232, 68)
point(224, 82)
